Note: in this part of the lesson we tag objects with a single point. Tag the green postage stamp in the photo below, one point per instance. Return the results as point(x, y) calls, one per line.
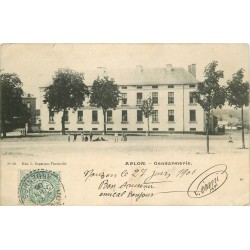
point(41, 187)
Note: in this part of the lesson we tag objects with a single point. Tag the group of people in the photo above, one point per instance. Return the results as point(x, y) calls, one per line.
point(123, 138)
point(85, 138)
point(23, 132)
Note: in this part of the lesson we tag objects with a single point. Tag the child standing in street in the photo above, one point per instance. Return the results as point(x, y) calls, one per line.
point(75, 136)
point(116, 137)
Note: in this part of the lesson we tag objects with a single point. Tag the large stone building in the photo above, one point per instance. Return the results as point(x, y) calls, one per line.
point(171, 89)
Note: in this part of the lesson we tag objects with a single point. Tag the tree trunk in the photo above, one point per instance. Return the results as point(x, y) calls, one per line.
point(3, 128)
point(148, 125)
point(242, 127)
point(104, 121)
point(63, 123)
point(207, 130)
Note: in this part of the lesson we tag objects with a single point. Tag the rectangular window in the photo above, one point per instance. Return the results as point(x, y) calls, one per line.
point(51, 129)
point(171, 86)
point(94, 128)
point(155, 87)
point(66, 128)
point(192, 115)
point(192, 129)
point(79, 128)
point(191, 98)
point(28, 105)
point(171, 129)
point(109, 129)
point(124, 87)
point(170, 97)
point(192, 86)
point(155, 129)
point(124, 129)
point(109, 116)
point(155, 116)
point(124, 98)
point(51, 116)
point(139, 116)
point(171, 115)
point(94, 116)
point(155, 97)
point(139, 129)
point(66, 116)
point(80, 116)
point(139, 87)
point(139, 98)
point(124, 115)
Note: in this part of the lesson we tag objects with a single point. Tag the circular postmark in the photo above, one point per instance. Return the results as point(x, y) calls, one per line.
point(41, 187)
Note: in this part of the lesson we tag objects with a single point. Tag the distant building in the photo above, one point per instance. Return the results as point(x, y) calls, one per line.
point(30, 101)
point(171, 89)
point(38, 117)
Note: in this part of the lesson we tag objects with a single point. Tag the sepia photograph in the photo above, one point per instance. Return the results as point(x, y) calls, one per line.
point(124, 124)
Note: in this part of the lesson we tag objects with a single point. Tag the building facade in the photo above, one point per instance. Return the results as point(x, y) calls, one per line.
point(171, 90)
point(30, 101)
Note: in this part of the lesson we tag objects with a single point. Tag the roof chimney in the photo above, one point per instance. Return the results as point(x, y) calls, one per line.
point(101, 71)
point(169, 67)
point(139, 68)
point(192, 69)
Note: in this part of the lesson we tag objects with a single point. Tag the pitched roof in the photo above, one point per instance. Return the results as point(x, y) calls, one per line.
point(142, 76)
point(145, 76)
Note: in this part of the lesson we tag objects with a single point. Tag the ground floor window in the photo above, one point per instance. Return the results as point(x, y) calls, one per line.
point(171, 115)
point(139, 116)
point(109, 116)
point(94, 116)
point(155, 116)
point(51, 116)
point(66, 116)
point(80, 116)
point(192, 115)
point(124, 115)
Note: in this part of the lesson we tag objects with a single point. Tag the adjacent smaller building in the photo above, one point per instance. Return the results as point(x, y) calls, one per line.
point(30, 101)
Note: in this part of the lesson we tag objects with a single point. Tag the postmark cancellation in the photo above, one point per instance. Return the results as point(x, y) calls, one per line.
point(40, 188)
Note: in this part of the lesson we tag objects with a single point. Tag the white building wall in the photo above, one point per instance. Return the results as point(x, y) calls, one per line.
point(181, 113)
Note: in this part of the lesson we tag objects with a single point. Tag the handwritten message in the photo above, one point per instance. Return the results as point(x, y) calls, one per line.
point(142, 182)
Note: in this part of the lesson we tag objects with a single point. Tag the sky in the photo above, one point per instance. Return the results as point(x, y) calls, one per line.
point(36, 63)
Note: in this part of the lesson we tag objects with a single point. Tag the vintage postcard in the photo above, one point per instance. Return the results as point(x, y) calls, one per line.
point(124, 124)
